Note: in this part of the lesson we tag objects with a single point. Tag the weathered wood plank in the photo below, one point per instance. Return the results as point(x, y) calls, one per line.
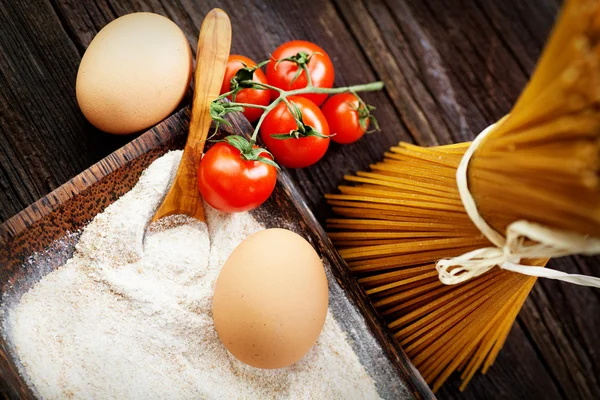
point(563, 321)
point(403, 68)
point(479, 56)
point(45, 139)
point(456, 59)
point(450, 68)
point(511, 377)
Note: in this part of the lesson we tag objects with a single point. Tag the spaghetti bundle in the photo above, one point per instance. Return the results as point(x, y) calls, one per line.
point(541, 163)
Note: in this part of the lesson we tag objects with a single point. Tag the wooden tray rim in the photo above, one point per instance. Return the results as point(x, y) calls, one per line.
point(21, 221)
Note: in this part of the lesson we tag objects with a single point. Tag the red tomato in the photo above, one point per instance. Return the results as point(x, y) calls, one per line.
point(260, 97)
point(295, 152)
point(230, 183)
point(344, 119)
point(320, 69)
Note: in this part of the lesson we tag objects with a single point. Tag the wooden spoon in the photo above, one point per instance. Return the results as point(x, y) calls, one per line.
point(214, 44)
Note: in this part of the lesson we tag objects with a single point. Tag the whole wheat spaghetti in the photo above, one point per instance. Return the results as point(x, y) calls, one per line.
point(541, 163)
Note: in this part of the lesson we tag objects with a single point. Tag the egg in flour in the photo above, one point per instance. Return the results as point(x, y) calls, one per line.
point(271, 299)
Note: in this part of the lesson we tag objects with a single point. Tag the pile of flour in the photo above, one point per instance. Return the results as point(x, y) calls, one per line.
point(129, 315)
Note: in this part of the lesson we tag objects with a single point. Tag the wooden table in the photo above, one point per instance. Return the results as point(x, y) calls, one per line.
point(450, 68)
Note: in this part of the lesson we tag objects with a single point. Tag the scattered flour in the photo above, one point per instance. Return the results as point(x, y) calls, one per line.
point(129, 316)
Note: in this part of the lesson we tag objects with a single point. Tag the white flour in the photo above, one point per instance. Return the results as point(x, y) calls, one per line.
point(129, 317)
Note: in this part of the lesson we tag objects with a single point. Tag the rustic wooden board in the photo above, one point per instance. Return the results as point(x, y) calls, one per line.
point(450, 67)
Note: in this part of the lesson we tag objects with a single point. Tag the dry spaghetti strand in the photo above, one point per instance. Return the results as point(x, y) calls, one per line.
point(540, 163)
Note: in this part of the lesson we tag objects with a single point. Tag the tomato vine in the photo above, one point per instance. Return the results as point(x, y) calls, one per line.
point(243, 80)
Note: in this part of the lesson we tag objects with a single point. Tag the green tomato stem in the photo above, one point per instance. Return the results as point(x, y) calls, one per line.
point(267, 86)
point(283, 95)
point(309, 83)
point(248, 105)
point(289, 106)
point(260, 121)
point(285, 100)
point(264, 115)
point(365, 87)
point(224, 95)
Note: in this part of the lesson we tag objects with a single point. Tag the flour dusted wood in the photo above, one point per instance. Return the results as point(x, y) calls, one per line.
point(128, 316)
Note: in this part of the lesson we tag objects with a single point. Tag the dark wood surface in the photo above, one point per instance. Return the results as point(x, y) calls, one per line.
point(450, 68)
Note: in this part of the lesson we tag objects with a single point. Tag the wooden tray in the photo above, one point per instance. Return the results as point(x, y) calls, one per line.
point(34, 234)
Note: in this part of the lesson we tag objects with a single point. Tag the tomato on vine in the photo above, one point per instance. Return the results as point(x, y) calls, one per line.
point(248, 95)
point(348, 117)
point(235, 176)
point(290, 63)
point(299, 137)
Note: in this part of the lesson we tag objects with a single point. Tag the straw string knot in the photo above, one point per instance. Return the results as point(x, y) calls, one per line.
point(524, 240)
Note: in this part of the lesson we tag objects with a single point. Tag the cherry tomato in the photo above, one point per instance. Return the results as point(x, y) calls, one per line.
point(260, 97)
point(295, 152)
point(230, 183)
point(344, 119)
point(320, 69)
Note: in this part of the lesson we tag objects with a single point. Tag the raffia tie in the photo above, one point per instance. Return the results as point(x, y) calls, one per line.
point(523, 239)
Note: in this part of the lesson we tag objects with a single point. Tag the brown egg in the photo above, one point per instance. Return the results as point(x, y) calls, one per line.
point(134, 73)
point(271, 299)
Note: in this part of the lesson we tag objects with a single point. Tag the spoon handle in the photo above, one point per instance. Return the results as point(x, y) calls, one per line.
point(214, 44)
point(211, 59)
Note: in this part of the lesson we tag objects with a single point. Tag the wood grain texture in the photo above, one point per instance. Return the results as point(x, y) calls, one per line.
point(212, 53)
point(44, 138)
point(450, 67)
point(471, 56)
